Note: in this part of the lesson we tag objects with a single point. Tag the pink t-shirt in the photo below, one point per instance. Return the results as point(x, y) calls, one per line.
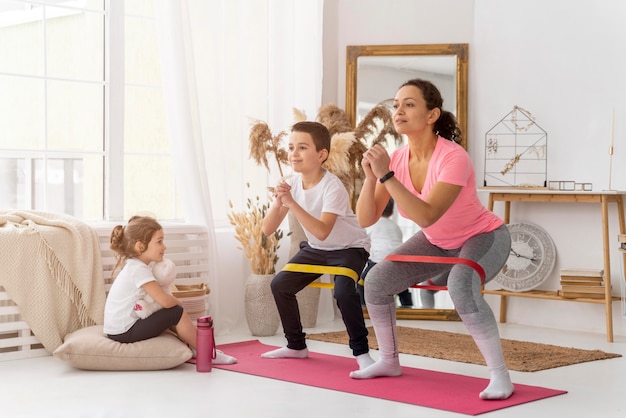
point(467, 216)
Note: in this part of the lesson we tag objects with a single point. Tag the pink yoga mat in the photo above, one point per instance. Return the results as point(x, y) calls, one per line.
point(445, 391)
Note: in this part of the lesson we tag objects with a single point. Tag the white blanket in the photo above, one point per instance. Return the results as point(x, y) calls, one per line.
point(51, 266)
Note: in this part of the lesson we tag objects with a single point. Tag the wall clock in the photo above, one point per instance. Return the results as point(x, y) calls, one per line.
point(531, 259)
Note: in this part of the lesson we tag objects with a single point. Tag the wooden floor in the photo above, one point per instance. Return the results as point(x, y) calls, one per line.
point(47, 387)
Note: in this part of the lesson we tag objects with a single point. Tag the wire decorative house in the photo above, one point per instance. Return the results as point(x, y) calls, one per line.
point(516, 150)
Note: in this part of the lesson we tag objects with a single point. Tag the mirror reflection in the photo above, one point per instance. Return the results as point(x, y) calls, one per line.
point(380, 77)
point(373, 75)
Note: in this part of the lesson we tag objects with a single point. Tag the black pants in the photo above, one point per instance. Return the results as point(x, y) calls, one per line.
point(286, 284)
point(152, 326)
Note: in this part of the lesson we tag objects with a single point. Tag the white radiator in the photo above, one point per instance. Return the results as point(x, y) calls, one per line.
point(187, 246)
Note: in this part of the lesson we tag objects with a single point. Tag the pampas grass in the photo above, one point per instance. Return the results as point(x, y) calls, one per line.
point(299, 115)
point(263, 142)
point(375, 128)
point(339, 160)
point(261, 250)
point(334, 119)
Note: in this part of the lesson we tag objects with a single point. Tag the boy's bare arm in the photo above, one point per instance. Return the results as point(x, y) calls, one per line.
point(320, 228)
point(274, 217)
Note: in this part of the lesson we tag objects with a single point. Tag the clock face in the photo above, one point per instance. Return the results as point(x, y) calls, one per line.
point(531, 259)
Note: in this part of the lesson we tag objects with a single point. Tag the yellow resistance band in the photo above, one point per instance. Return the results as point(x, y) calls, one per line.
point(334, 270)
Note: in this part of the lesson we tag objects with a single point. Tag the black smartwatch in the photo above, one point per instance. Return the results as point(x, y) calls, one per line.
point(386, 177)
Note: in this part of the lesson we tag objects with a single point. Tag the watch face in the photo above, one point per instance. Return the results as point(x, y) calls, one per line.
point(531, 259)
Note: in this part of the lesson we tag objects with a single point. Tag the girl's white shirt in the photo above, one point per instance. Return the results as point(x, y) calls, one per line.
point(126, 290)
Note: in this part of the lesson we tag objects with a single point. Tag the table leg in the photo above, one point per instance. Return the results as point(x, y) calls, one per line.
point(502, 308)
point(622, 226)
point(608, 300)
point(620, 215)
point(507, 212)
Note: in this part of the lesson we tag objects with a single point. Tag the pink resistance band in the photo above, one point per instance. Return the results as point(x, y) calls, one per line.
point(441, 260)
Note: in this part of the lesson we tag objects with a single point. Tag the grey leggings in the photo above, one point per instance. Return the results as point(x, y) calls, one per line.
point(490, 250)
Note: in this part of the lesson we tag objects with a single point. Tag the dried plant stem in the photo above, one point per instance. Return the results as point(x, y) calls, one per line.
point(261, 250)
point(511, 164)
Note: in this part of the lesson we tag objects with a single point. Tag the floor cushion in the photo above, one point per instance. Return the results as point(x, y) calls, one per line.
point(89, 349)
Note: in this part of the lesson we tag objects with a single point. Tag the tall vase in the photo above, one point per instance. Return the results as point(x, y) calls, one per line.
point(309, 297)
point(261, 312)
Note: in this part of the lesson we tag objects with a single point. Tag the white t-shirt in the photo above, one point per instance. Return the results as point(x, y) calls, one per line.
point(126, 290)
point(330, 195)
point(386, 236)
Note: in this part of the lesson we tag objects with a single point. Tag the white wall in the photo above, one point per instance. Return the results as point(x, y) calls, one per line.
point(558, 60)
point(372, 22)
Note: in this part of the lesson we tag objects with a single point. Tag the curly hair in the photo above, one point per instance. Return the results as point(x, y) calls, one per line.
point(446, 126)
point(123, 238)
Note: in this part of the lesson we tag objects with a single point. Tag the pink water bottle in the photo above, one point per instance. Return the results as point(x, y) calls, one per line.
point(205, 340)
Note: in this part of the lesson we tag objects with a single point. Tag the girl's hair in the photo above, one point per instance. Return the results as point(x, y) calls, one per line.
point(446, 126)
point(123, 239)
point(319, 133)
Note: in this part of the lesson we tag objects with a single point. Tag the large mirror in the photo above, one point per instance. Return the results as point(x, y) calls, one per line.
point(373, 74)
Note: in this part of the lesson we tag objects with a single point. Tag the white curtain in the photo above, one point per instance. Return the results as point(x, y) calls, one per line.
point(226, 63)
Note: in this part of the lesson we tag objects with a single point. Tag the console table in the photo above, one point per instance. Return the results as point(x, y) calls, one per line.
point(508, 195)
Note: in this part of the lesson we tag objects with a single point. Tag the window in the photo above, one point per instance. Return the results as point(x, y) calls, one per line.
point(82, 117)
point(82, 126)
point(148, 182)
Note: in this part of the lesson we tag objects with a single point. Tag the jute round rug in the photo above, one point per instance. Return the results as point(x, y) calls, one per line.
point(519, 355)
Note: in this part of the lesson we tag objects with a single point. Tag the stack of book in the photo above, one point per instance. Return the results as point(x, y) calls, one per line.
point(582, 283)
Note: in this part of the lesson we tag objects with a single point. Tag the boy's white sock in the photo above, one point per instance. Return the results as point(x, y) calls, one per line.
point(285, 352)
point(364, 360)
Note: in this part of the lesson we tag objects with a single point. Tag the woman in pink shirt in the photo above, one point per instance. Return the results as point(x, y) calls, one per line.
point(432, 181)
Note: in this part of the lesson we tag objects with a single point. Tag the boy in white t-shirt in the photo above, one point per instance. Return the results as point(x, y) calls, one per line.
point(320, 203)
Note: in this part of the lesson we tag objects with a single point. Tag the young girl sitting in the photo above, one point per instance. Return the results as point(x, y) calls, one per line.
point(137, 245)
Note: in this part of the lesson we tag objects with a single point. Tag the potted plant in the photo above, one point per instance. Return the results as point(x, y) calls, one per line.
point(262, 252)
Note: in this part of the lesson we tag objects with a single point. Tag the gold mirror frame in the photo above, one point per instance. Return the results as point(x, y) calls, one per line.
point(458, 50)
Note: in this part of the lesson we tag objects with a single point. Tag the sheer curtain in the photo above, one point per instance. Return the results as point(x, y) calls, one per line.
point(225, 64)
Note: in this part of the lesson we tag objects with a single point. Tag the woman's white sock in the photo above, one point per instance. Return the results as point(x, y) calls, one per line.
point(383, 318)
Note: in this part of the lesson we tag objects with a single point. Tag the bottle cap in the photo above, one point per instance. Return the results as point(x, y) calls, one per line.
point(205, 321)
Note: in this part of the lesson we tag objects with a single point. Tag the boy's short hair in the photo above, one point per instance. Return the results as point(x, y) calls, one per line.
point(319, 133)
